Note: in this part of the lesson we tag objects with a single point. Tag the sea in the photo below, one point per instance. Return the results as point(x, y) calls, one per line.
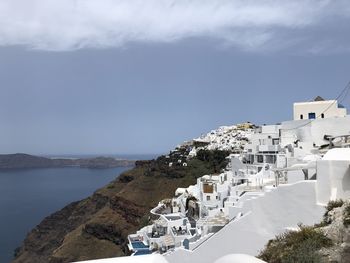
point(27, 196)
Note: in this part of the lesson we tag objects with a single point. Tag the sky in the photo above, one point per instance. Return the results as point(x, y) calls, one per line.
point(140, 77)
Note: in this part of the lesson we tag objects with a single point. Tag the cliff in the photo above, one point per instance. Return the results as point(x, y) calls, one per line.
point(97, 227)
point(21, 160)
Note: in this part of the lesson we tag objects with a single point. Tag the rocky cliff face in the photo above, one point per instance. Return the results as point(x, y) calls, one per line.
point(97, 227)
point(337, 230)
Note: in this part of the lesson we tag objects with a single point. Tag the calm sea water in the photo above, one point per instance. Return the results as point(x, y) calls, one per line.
point(29, 195)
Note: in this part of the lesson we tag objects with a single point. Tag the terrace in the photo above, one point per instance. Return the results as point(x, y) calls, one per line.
point(180, 231)
point(137, 244)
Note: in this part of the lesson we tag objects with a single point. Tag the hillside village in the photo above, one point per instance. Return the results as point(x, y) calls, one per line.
point(277, 176)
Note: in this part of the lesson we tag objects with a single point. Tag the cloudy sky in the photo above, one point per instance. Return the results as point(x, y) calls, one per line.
point(135, 76)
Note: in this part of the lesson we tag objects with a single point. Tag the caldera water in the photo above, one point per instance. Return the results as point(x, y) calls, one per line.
point(27, 196)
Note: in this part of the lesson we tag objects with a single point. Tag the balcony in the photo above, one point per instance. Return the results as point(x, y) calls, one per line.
point(269, 148)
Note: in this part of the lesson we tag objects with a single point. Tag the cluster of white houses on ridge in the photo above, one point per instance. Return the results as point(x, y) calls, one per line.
point(313, 146)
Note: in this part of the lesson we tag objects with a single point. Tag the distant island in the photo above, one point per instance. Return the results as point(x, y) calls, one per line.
point(22, 160)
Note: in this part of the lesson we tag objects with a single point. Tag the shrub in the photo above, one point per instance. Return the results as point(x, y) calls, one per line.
point(304, 253)
point(346, 219)
point(330, 206)
point(323, 223)
point(126, 178)
point(296, 246)
point(110, 186)
point(216, 158)
point(145, 220)
point(334, 204)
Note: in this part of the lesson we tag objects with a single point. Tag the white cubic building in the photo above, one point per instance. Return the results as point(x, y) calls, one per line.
point(319, 108)
point(333, 176)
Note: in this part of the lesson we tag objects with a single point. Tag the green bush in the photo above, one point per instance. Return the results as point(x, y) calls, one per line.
point(145, 220)
point(110, 186)
point(124, 178)
point(296, 246)
point(330, 206)
point(304, 253)
point(334, 204)
point(216, 158)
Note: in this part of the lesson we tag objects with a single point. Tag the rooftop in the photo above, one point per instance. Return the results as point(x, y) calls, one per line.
point(319, 98)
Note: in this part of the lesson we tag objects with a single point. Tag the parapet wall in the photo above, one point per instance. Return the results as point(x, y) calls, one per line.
point(333, 180)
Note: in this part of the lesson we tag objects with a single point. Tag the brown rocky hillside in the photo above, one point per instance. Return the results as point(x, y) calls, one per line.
point(97, 227)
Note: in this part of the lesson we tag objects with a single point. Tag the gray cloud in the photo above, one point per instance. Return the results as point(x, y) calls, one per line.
point(251, 25)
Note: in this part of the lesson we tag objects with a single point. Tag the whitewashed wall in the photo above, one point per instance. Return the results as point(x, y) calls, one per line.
point(318, 107)
point(333, 180)
point(313, 132)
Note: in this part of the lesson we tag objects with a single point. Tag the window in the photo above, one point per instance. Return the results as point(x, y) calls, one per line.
point(271, 159)
point(208, 188)
point(312, 115)
point(208, 198)
point(275, 141)
point(322, 115)
point(301, 116)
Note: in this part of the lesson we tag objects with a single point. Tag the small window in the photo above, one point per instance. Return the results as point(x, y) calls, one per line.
point(208, 198)
point(312, 115)
point(301, 116)
point(275, 141)
point(322, 115)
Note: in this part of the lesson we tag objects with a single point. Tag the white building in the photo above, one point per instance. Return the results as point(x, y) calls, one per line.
point(214, 190)
point(304, 135)
point(282, 175)
point(264, 145)
point(319, 108)
point(333, 176)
